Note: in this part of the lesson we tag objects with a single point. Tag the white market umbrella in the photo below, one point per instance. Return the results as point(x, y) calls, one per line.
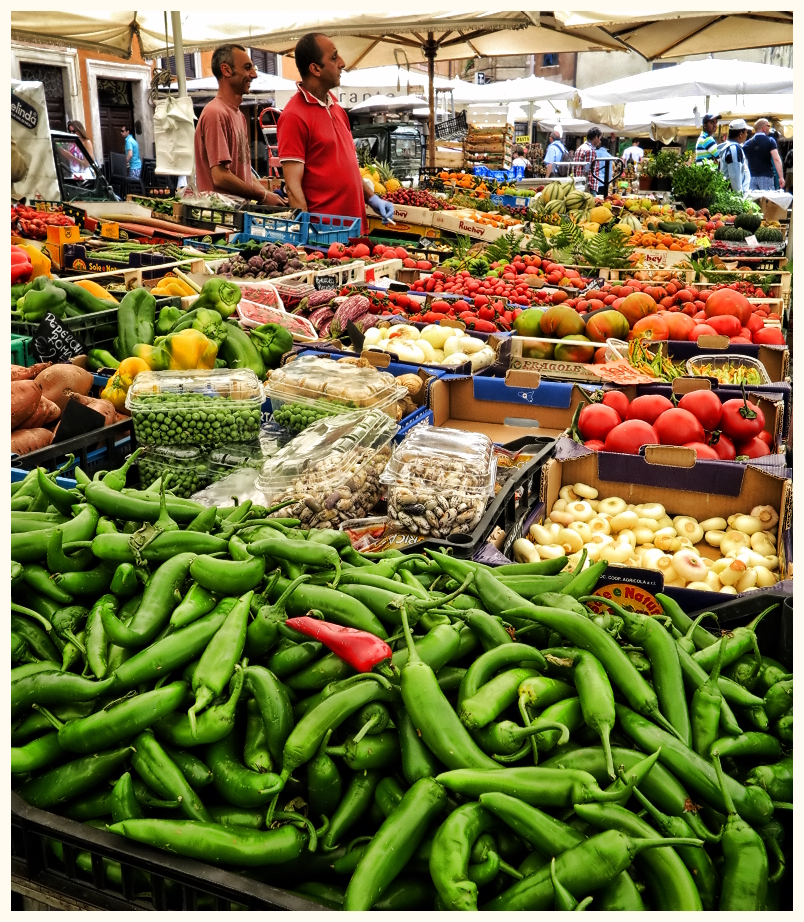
point(263, 83)
point(710, 77)
point(388, 103)
point(394, 76)
point(523, 89)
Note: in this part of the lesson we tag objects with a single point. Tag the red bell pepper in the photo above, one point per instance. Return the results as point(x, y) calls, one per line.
point(360, 649)
point(21, 267)
point(482, 326)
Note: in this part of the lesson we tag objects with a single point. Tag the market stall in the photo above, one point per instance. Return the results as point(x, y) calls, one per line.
point(443, 567)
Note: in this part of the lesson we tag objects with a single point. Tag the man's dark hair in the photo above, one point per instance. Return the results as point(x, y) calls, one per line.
point(224, 55)
point(126, 128)
point(307, 52)
point(735, 133)
point(593, 133)
point(634, 140)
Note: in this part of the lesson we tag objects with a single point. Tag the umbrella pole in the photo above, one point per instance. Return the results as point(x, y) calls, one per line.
point(178, 51)
point(430, 49)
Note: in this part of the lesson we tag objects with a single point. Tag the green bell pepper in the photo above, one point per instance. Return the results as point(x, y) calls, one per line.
point(219, 295)
point(210, 323)
point(168, 318)
point(273, 341)
point(135, 322)
point(42, 298)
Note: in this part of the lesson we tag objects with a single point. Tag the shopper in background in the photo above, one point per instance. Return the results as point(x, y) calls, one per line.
point(315, 142)
point(763, 158)
point(555, 154)
point(586, 155)
point(133, 162)
point(634, 153)
point(222, 152)
point(520, 158)
point(75, 127)
point(706, 145)
point(733, 161)
point(788, 166)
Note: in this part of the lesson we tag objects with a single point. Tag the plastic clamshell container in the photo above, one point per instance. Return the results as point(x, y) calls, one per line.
point(312, 388)
point(198, 407)
point(187, 465)
point(720, 364)
point(252, 315)
point(439, 481)
point(227, 458)
point(332, 469)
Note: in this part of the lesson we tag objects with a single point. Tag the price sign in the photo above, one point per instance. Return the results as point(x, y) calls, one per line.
point(752, 241)
point(522, 139)
point(325, 282)
point(53, 342)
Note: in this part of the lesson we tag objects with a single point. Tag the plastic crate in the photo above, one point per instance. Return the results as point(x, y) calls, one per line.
point(176, 883)
point(21, 353)
point(96, 331)
point(209, 218)
point(516, 172)
point(17, 474)
point(324, 229)
point(101, 449)
point(451, 127)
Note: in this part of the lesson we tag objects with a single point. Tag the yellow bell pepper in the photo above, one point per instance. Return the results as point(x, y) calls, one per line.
point(181, 351)
point(40, 262)
point(117, 388)
point(95, 289)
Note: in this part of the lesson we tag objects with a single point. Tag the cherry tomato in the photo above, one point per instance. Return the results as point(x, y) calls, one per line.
point(705, 406)
point(754, 448)
point(648, 408)
point(617, 401)
point(630, 436)
point(703, 451)
point(677, 427)
point(597, 420)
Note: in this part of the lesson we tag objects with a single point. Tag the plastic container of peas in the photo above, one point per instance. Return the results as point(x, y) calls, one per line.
point(200, 407)
point(187, 466)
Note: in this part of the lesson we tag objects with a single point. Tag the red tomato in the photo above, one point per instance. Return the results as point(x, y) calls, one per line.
point(597, 420)
point(726, 301)
point(755, 322)
point(754, 448)
point(701, 329)
point(741, 420)
point(769, 336)
point(677, 427)
point(705, 406)
point(617, 401)
point(679, 325)
point(630, 436)
point(725, 324)
point(723, 445)
point(703, 452)
point(766, 437)
point(595, 445)
point(648, 408)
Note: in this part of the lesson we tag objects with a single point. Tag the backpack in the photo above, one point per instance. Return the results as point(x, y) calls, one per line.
point(562, 169)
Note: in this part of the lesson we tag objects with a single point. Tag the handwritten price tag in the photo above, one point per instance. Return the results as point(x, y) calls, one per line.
point(53, 342)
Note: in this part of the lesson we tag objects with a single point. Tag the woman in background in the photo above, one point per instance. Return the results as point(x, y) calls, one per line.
point(75, 127)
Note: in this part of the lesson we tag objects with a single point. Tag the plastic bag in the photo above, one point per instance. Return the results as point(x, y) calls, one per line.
point(174, 136)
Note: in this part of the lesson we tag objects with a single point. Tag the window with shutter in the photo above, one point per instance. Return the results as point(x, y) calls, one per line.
point(264, 61)
point(189, 65)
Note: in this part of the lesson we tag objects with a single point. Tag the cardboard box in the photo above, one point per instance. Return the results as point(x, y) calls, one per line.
point(665, 475)
point(456, 223)
point(658, 259)
point(407, 214)
point(403, 227)
point(771, 211)
point(550, 368)
point(504, 409)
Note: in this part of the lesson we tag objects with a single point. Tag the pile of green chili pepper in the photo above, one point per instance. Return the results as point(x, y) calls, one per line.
point(384, 731)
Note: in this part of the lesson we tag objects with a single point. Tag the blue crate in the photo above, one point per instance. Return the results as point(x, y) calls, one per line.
point(517, 172)
point(512, 201)
point(312, 228)
point(18, 474)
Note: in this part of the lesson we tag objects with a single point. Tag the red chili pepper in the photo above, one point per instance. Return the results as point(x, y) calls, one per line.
point(361, 650)
point(482, 326)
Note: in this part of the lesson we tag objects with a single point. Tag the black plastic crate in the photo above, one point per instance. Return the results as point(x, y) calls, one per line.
point(102, 449)
point(175, 882)
point(517, 495)
point(451, 127)
point(95, 331)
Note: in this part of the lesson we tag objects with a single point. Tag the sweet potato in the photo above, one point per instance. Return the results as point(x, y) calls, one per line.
point(58, 379)
point(104, 407)
point(26, 440)
point(21, 373)
point(46, 413)
point(25, 397)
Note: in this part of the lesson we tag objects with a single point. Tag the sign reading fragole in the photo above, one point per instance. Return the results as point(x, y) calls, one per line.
point(53, 342)
point(23, 113)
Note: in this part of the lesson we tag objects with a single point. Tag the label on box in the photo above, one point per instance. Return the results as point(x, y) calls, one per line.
point(111, 230)
point(53, 342)
point(325, 282)
point(548, 368)
point(630, 596)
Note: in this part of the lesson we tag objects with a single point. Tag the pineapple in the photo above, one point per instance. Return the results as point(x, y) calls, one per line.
point(386, 178)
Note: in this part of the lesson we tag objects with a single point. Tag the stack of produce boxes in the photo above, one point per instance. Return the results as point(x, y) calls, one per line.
point(489, 146)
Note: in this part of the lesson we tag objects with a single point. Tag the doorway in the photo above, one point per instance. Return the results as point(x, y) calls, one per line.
point(115, 110)
point(53, 80)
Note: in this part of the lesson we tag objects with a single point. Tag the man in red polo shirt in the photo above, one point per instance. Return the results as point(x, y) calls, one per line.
point(315, 141)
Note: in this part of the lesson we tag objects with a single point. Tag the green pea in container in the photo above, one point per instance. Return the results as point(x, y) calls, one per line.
point(187, 465)
point(202, 407)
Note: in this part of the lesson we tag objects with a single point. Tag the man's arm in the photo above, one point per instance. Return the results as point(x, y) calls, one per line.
point(777, 160)
point(224, 179)
point(293, 171)
point(548, 170)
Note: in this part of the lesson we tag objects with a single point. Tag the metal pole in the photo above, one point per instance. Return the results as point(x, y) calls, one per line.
point(178, 51)
point(530, 123)
point(430, 53)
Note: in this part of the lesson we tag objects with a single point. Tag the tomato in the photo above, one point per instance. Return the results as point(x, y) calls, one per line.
point(703, 452)
point(769, 336)
point(727, 301)
point(617, 401)
point(766, 437)
point(754, 323)
point(754, 448)
point(705, 406)
point(701, 329)
point(723, 445)
point(679, 325)
point(677, 427)
point(630, 436)
point(725, 324)
point(597, 420)
point(652, 327)
point(648, 408)
point(741, 420)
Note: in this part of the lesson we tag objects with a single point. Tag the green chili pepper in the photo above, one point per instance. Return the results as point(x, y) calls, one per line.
point(256, 756)
point(215, 723)
point(355, 803)
point(705, 708)
point(493, 698)
point(779, 699)
point(198, 775)
point(324, 785)
point(776, 779)
point(54, 687)
point(72, 779)
point(124, 804)
point(379, 751)
point(150, 759)
point(700, 636)
point(275, 707)
point(36, 755)
point(235, 783)
point(741, 641)
point(485, 666)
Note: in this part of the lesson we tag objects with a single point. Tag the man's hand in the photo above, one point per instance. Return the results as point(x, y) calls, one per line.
point(384, 209)
point(272, 198)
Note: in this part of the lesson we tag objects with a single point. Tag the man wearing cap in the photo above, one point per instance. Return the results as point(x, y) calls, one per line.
point(762, 155)
point(733, 162)
point(706, 145)
point(555, 153)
